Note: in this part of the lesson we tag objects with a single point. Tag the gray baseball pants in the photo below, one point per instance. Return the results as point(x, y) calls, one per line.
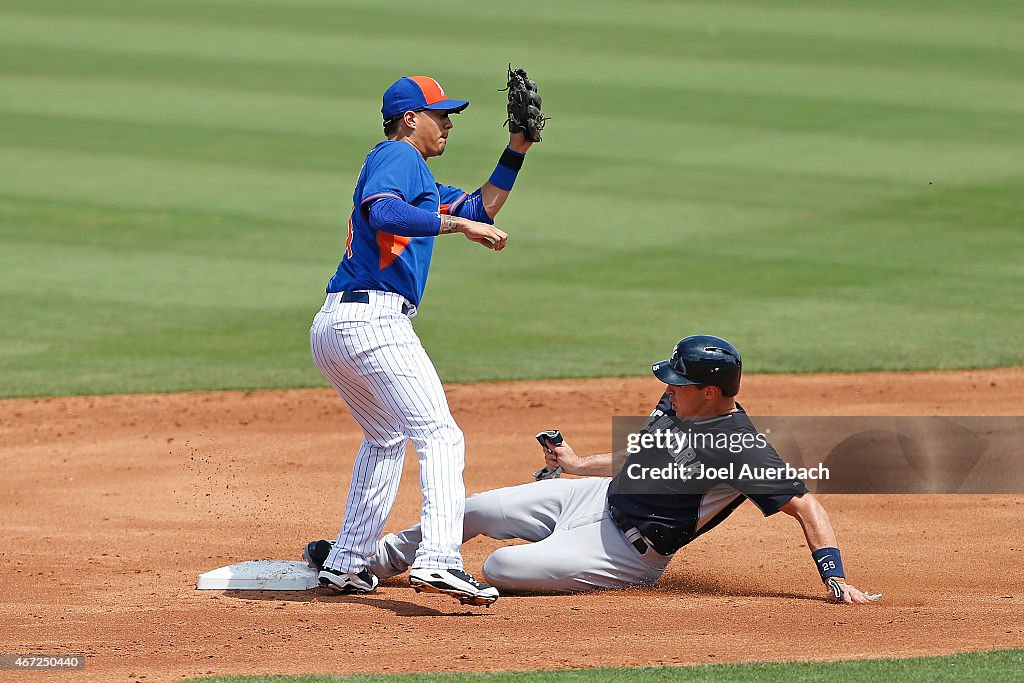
point(574, 545)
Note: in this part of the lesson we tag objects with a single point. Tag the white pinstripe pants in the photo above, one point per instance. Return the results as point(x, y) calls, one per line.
point(372, 357)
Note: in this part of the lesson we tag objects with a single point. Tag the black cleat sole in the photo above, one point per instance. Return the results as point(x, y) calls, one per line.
point(476, 601)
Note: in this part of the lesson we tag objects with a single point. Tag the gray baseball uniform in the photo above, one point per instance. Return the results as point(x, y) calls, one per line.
point(575, 544)
point(595, 532)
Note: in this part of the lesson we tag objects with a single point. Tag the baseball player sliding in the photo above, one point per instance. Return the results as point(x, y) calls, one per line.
point(363, 342)
point(605, 531)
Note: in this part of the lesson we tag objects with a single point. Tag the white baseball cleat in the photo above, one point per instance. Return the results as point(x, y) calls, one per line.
point(457, 583)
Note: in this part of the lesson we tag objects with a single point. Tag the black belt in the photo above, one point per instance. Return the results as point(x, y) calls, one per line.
point(355, 297)
point(629, 530)
point(363, 297)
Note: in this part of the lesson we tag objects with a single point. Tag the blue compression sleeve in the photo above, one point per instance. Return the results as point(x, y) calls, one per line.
point(392, 215)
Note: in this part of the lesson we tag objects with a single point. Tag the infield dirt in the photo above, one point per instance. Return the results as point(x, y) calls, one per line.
point(113, 505)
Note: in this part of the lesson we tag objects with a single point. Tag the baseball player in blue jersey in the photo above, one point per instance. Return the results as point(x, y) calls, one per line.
point(599, 532)
point(363, 342)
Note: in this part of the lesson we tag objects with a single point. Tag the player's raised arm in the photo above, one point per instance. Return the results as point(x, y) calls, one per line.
point(495, 191)
point(821, 539)
point(525, 121)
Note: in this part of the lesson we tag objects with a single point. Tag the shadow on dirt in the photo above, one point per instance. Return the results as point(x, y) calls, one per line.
point(671, 586)
point(401, 608)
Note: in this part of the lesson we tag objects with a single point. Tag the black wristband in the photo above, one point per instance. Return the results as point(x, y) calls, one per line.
point(513, 160)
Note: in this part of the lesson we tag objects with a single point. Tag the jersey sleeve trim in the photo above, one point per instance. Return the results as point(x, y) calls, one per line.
point(451, 208)
point(769, 505)
point(471, 206)
point(380, 195)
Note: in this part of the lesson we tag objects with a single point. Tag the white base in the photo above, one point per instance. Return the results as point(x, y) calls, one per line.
point(260, 575)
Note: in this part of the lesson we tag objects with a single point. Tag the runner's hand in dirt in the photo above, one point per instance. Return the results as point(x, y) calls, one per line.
point(852, 595)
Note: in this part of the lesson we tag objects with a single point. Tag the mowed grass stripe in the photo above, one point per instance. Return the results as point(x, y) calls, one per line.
point(140, 102)
point(115, 227)
point(321, 199)
point(157, 176)
point(700, 141)
point(185, 347)
point(305, 114)
point(285, 194)
point(914, 22)
point(565, 61)
point(35, 71)
point(139, 276)
point(169, 141)
point(837, 265)
point(692, 40)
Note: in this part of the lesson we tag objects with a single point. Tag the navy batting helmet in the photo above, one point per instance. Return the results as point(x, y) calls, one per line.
point(702, 359)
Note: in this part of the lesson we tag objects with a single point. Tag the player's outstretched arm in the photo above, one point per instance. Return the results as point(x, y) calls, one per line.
point(525, 121)
point(821, 539)
point(481, 233)
point(496, 190)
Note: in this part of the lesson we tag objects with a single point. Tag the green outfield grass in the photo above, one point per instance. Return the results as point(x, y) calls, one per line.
point(1001, 665)
point(832, 187)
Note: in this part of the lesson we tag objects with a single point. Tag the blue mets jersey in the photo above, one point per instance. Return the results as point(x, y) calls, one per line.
point(379, 260)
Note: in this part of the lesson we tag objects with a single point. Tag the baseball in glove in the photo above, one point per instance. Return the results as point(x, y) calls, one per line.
point(524, 102)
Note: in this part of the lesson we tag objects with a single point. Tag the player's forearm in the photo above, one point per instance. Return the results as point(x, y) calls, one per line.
point(817, 528)
point(816, 525)
point(450, 224)
point(517, 142)
point(493, 198)
point(481, 233)
point(497, 188)
point(821, 539)
point(597, 465)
